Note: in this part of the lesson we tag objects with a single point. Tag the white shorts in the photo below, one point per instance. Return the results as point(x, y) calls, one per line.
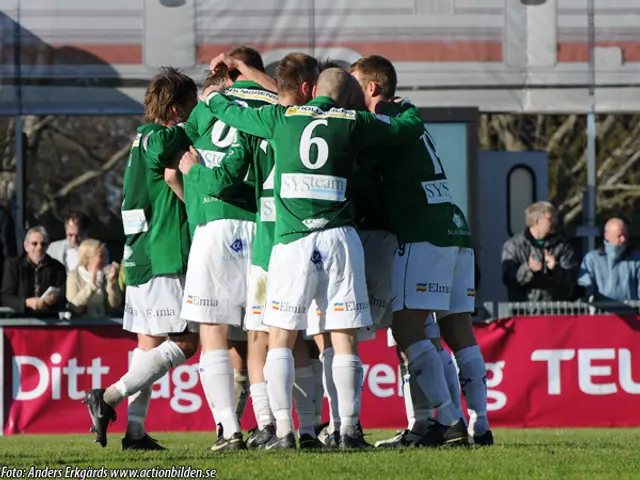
point(439, 279)
point(219, 261)
point(256, 298)
point(314, 322)
point(153, 308)
point(326, 266)
point(379, 252)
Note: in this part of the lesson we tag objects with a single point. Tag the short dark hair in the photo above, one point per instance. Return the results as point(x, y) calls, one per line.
point(79, 218)
point(295, 69)
point(218, 78)
point(168, 88)
point(250, 56)
point(378, 70)
point(328, 63)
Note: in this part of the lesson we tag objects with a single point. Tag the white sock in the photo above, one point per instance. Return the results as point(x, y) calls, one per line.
point(330, 389)
point(406, 394)
point(278, 374)
point(240, 391)
point(216, 378)
point(138, 402)
point(153, 366)
point(304, 398)
point(419, 411)
point(425, 364)
point(260, 401)
point(316, 364)
point(473, 379)
point(451, 375)
point(348, 379)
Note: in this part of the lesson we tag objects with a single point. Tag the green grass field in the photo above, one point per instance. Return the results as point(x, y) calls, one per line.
point(589, 453)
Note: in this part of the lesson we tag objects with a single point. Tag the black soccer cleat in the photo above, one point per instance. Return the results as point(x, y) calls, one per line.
point(261, 436)
point(349, 442)
point(307, 442)
point(484, 440)
point(288, 442)
point(144, 443)
point(101, 414)
point(235, 442)
point(439, 435)
point(402, 438)
point(320, 427)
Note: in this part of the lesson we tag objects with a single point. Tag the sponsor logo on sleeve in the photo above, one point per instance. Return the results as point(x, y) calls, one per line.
point(437, 191)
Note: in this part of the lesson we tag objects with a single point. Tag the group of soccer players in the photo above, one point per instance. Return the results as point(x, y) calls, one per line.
point(291, 219)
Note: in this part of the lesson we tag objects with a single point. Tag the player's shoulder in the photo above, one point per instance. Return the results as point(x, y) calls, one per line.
point(319, 112)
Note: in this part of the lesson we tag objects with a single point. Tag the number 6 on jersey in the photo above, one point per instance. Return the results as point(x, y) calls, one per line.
point(322, 148)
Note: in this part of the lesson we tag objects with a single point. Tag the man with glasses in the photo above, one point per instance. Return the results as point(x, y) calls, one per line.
point(34, 283)
point(66, 251)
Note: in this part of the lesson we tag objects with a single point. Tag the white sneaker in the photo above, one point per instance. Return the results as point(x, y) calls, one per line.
point(402, 438)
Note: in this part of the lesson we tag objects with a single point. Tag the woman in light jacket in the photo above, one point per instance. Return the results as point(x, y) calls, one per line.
point(93, 289)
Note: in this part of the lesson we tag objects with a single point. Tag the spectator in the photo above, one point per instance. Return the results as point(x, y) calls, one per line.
point(539, 264)
point(612, 273)
point(8, 248)
point(66, 251)
point(93, 289)
point(34, 283)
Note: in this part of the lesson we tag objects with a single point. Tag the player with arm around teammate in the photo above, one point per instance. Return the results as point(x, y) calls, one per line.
point(433, 268)
point(297, 74)
point(155, 257)
point(317, 253)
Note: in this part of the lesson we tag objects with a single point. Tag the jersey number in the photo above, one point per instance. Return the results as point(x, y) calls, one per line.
point(322, 148)
point(218, 130)
point(221, 135)
point(430, 145)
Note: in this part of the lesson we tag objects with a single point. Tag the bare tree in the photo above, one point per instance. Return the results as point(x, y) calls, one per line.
point(564, 138)
point(71, 163)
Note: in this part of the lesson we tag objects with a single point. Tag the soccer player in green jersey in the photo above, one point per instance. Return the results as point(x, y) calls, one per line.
point(220, 257)
point(318, 254)
point(297, 74)
point(155, 258)
point(433, 271)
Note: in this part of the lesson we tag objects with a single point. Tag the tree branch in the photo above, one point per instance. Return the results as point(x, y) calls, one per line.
point(83, 179)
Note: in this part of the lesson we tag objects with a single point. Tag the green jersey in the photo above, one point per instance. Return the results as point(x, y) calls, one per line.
point(246, 152)
point(458, 232)
point(416, 190)
point(368, 194)
point(153, 217)
point(315, 146)
point(214, 138)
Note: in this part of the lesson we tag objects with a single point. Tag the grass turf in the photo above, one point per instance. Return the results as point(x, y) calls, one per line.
point(595, 453)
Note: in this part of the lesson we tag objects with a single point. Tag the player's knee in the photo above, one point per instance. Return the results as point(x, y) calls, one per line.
point(345, 342)
point(281, 338)
point(457, 331)
point(188, 343)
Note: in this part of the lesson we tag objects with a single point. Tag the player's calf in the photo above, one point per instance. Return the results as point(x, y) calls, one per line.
point(457, 331)
point(279, 374)
point(424, 362)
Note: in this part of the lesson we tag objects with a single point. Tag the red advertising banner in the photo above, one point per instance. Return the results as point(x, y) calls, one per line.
point(541, 372)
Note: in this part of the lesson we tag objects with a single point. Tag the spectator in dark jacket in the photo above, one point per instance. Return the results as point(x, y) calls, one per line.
point(539, 264)
point(34, 283)
point(7, 237)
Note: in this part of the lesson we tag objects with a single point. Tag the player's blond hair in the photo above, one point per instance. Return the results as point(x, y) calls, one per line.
point(378, 70)
point(89, 249)
point(294, 70)
point(168, 89)
point(537, 210)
